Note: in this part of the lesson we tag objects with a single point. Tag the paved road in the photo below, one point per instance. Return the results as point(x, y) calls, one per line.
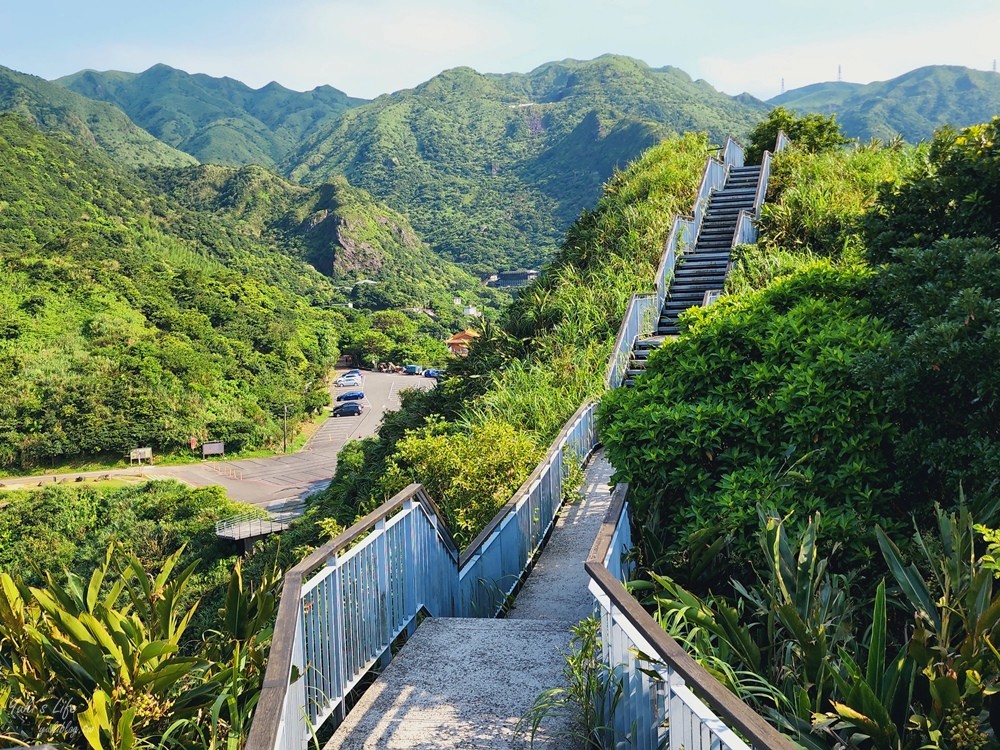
point(280, 483)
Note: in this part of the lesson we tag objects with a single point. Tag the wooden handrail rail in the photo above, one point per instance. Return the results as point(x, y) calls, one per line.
point(740, 716)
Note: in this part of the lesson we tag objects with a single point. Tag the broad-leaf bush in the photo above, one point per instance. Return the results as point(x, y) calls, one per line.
point(758, 402)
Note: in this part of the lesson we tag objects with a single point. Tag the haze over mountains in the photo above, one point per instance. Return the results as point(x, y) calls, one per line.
point(489, 168)
point(912, 105)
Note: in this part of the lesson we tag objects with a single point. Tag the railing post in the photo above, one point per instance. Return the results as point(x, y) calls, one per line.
point(410, 596)
point(338, 635)
point(384, 606)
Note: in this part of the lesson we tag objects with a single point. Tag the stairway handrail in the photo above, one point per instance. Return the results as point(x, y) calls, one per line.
point(555, 446)
point(762, 181)
point(719, 698)
point(270, 710)
point(631, 328)
point(732, 153)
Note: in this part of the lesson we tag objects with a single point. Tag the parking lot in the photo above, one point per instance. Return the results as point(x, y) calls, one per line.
point(279, 483)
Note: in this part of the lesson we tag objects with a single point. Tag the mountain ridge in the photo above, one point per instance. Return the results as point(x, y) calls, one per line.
point(88, 122)
point(217, 120)
point(913, 104)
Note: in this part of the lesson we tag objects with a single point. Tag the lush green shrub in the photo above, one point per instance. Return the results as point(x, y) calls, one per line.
point(954, 192)
point(937, 376)
point(470, 475)
point(816, 200)
point(811, 133)
point(758, 403)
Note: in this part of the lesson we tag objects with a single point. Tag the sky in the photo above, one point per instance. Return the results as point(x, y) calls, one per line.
point(371, 47)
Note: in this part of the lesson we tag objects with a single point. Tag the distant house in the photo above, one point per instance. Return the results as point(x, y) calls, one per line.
point(520, 277)
point(459, 343)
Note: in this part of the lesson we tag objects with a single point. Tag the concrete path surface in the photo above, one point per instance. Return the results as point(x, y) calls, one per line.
point(465, 683)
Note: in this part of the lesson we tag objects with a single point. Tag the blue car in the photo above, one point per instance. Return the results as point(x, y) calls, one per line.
point(348, 410)
point(351, 396)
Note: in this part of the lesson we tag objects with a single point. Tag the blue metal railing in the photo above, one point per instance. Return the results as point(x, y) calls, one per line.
point(664, 699)
point(345, 604)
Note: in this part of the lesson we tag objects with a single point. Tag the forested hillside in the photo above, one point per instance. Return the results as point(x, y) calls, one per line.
point(491, 169)
point(340, 230)
point(91, 124)
point(812, 462)
point(125, 322)
point(913, 105)
point(216, 120)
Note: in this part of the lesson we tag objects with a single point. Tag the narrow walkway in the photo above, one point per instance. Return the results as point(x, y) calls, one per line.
point(465, 683)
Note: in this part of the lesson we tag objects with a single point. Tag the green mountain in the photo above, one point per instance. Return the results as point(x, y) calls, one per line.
point(913, 105)
point(339, 230)
point(126, 321)
point(491, 169)
point(217, 120)
point(90, 123)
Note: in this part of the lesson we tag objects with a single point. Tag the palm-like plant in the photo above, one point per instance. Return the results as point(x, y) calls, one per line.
point(99, 658)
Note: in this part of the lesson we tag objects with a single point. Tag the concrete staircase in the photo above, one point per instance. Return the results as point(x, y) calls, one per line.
point(466, 682)
point(701, 272)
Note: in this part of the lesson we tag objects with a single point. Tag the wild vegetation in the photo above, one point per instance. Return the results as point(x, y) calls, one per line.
point(119, 330)
point(810, 526)
point(478, 435)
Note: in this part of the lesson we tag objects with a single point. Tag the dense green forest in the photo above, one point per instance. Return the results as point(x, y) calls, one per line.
point(339, 230)
point(54, 109)
point(126, 323)
point(818, 528)
point(148, 635)
point(152, 308)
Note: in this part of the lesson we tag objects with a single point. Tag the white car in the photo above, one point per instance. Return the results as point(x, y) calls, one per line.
point(345, 381)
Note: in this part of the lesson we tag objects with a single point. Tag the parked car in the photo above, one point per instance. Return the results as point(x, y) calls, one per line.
point(351, 396)
point(345, 381)
point(353, 372)
point(432, 373)
point(350, 409)
point(413, 369)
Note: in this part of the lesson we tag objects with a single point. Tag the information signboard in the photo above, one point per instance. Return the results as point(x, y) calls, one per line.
point(213, 449)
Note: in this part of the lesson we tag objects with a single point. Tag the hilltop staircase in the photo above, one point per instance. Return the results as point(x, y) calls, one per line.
point(701, 272)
